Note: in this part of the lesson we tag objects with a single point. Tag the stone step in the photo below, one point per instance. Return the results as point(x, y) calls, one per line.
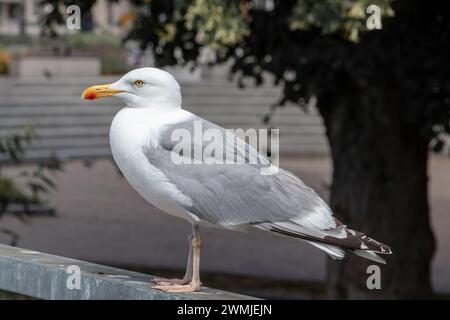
point(68, 90)
point(71, 127)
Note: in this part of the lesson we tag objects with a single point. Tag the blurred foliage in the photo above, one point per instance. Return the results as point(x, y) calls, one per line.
point(92, 40)
point(20, 192)
point(345, 17)
point(217, 25)
point(108, 47)
point(4, 61)
point(316, 48)
point(54, 16)
point(113, 64)
point(8, 40)
point(161, 26)
point(11, 45)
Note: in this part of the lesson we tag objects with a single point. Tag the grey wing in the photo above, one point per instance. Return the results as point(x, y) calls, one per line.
point(237, 194)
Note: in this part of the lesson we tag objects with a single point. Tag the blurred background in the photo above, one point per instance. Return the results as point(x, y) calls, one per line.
point(359, 89)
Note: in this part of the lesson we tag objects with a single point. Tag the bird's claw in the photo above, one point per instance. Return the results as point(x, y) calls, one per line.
point(179, 288)
point(169, 282)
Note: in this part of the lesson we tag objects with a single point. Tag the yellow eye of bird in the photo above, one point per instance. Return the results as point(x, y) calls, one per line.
point(139, 83)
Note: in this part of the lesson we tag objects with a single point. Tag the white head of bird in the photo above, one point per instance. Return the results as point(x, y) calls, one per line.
point(141, 88)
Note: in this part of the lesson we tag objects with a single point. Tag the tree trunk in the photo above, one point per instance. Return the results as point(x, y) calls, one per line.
point(380, 188)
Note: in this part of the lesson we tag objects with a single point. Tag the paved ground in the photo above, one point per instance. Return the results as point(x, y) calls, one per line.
point(100, 218)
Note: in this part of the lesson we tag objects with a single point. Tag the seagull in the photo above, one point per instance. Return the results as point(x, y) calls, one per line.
point(235, 196)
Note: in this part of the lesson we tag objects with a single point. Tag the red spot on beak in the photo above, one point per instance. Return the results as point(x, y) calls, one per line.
point(90, 96)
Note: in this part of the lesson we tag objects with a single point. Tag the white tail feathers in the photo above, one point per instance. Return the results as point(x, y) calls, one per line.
point(333, 251)
point(337, 253)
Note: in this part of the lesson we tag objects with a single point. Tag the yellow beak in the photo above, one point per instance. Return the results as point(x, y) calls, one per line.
point(99, 91)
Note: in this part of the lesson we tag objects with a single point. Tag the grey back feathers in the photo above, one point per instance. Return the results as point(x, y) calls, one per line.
point(234, 194)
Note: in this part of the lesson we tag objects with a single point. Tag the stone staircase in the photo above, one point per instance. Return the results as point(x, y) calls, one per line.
point(71, 128)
